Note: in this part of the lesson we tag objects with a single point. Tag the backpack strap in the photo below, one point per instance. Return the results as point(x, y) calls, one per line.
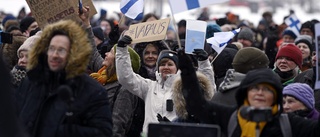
point(285, 125)
point(232, 124)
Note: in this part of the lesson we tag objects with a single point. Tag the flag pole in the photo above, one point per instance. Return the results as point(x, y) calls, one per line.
point(122, 19)
point(175, 27)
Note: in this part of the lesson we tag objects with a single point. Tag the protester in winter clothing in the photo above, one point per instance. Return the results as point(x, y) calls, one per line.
point(307, 28)
point(220, 69)
point(299, 98)
point(124, 105)
point(100, 40)
point(28, 24)
point(56, 83)
point(149, 53)
point(288, 63)
point(246, 37)
point(304, 43)
point(246, 59)
point(309, 77)
point(180, 103)
point(288, 36)
point(259, 89)
point(19, 71)
point(10, 125)
point(156, 94)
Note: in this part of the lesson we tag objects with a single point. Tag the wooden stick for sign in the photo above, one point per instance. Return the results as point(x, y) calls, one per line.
point(122, 19)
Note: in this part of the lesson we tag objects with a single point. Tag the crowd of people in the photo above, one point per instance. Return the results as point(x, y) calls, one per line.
point(88, 79)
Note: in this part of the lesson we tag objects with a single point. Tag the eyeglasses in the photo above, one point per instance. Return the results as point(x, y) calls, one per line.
point(257, 88)
point(60, 51)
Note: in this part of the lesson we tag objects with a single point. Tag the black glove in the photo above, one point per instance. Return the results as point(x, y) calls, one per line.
point(186, 67)
point(162, 119)
point(201, 54)
point(124, 41)
point(114, 35)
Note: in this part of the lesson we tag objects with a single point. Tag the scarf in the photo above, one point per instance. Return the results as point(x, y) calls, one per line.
point(102, 77)
point(248, 128)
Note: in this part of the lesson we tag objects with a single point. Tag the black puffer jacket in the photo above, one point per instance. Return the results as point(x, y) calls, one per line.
point(212, 113)
point(42, 105)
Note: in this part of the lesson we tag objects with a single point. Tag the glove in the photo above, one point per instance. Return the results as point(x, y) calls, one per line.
point(124, 41)
point(162, 119)
point(114, 35)
point(201, 54)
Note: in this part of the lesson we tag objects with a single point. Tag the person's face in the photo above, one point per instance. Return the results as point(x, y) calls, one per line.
point(260, 96)
point(291, 104)
point(106, 27)
point(245, 43)
point(109, 59)
point(167, 67)
point(305, 50)
point(150, 56)
point(58, 52)
point(287, 39)
point(285, 64)
point(23, 58)
point(314, 58)
point(306, 31)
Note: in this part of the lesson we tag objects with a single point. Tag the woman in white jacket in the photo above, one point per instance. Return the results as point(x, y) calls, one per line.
point(156, 94)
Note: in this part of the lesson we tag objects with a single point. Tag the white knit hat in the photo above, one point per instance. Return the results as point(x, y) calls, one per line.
point(26, 46)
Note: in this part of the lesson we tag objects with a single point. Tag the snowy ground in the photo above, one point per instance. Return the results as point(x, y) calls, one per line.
point(217, 11)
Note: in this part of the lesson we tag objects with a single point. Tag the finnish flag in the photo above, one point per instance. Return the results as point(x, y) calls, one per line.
point(294, 24)
point(221, 39)
point(184, 5)
point(132, 8)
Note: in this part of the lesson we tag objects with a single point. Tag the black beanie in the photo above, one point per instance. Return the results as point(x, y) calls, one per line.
point(170, 55)
point(26, 22)
point(98, 32)
point(308, 25)
point(249, 58)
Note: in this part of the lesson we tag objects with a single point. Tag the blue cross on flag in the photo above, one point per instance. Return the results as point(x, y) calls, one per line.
point(132, 8)
point(221, 39)
point(294, 24)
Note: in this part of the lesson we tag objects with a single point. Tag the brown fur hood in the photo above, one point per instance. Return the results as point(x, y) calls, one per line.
point(177, 95)
point(79, 54)
point(9, 52)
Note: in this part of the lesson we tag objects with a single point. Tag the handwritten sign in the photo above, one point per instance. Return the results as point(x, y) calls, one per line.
point(148, 31)
point(49, 11)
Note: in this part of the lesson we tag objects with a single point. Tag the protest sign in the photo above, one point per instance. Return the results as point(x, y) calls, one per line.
point(49, 11)
point(148, 31)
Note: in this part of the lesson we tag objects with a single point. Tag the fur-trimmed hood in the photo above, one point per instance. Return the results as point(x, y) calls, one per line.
point(79, 54)
point(177, 95)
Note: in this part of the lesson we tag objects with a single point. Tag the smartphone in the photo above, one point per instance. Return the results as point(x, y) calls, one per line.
point(169, 105)
point(80, 7)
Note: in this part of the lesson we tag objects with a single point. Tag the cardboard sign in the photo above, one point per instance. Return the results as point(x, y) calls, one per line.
point(148, 31)
point(49, 11)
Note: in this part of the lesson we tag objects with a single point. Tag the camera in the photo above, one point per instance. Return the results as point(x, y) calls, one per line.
point(5, 37)
point(256, 114)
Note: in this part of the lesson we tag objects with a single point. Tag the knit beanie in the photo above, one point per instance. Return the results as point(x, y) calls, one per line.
point(170, 55)
point(26, 22)
point(211, 29)
point(98, 32)
point(249, 58)
point(305, 39)
point(308, 25)
point(247, 34)
point(28, 44)
point(302, 92)
point(290, 33)
point(134, 57)
point(291, 51)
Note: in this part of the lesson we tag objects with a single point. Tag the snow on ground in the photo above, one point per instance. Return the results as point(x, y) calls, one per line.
point(217, 11)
